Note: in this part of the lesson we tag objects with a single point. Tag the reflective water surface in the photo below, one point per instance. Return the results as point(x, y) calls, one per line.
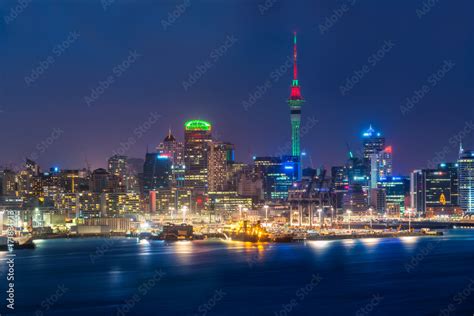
point(406, 276)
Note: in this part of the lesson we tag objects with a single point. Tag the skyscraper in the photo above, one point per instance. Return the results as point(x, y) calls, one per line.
point(117, 166)
point(466, 181)
point(221, 156)
point(197, 136)
point(380, 166)
point(172, 148)
point(295, 101)
point(373, 143)
point(156, 172)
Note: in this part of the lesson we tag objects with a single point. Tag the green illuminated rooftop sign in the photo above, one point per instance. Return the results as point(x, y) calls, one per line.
point(197, 125)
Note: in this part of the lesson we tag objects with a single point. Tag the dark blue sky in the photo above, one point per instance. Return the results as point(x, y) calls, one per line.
point(153, 82)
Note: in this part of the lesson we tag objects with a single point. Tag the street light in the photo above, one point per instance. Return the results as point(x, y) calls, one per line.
point(409, 219)
point(320, 223)
point(184, 213)
point(172, 213)
point(370, 211)
point(266, 212)
point(349, 212)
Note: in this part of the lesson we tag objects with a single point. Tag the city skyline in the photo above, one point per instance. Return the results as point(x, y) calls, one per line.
point(157, 79)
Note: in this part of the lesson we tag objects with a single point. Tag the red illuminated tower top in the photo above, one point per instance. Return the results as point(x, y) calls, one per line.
point(295, 87)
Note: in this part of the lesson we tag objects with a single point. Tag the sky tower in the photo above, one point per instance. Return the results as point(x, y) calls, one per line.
point(295, 101)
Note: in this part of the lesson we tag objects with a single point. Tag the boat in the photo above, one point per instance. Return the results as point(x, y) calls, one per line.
point(18, 243)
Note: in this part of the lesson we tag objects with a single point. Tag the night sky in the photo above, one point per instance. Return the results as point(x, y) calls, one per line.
point(240, 45)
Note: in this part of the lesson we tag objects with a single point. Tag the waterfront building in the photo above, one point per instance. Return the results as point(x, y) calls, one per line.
point(228, 201)
point(90, 204)
point(119, 204)
point(435, 191)
point(197, 136)
point(8, 185)
point(396, 189)
point(466, 181)
point(279, 174)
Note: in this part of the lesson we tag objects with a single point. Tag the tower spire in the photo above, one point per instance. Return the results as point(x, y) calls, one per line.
point(295, 58)
point(295, 86)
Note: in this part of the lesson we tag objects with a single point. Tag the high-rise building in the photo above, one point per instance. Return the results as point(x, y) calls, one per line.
point(220, 159)
point(8, 182)
point(466, 181)
point(99, 181)
point(295, 101)
point(373, 143)
point(172, 148)
point(197, 136)
point(380, 166)
point(118, 167)
point(396, 189)
point(435, 191)
point(156, 172)
point(278, 173)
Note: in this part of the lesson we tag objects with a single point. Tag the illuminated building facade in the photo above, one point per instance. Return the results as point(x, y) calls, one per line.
point(435, 190)
point(172, 148)
point(197, 137)
point(8, 183)
point(220, 159)
point(156, 172)
point(466, 181)
point(228, 201)
point(90, 204)
point(119, 204)
point(118, 167)
point(373, 143)
point(396, 189)
point(279, 174)
point(380, 165)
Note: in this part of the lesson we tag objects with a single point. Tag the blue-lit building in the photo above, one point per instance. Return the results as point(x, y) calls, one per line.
point(396, 189)
point(156, 172)
point(466, 181)
point(279, 174)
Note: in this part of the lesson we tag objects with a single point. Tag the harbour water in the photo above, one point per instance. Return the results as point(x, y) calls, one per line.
point(124, 276)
